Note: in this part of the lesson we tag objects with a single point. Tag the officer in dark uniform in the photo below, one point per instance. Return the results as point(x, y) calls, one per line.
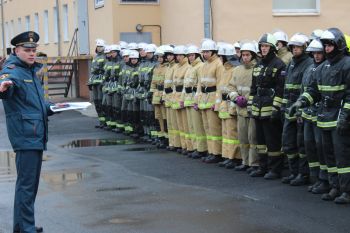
point(26, 118)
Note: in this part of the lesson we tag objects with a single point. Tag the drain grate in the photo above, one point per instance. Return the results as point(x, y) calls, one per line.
point(114, 189)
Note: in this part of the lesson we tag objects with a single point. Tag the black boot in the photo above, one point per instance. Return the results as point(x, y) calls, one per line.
point(331, 195)
point(344, 198)
point(198, 155)
point(214, 159)
point(288, 179)
point(314, 185)
point(322, 188)
point(272, 175)
point(223, 163)
point(241, 167)
point(300, 180)
point(260, 172)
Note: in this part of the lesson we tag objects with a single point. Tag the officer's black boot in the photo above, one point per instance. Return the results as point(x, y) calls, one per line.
point(303, 176)
point(344, 198)
point(261, 171)
point(322, 188)
point(293, 165)
point(233, 163)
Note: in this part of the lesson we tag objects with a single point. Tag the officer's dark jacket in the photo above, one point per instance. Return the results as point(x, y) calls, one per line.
point(332, 90)
point(25, 107)
point(309, 113)
point(292, 84)
point(97, 69)
point(267, 86)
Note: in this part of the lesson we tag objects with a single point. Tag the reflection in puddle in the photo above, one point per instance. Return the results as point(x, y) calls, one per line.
point(62, 179)
point(98, 142)
point(141, 149)
point(122, 220)
point(8, 166)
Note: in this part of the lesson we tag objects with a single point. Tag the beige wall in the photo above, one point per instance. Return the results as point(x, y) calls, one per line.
point(21, 8)
point(182, 21)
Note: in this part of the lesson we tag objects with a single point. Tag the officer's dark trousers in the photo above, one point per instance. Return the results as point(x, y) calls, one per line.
point(28, 164)
point(336, 149)
point(314, 151)
point(293, 147)
point(269, 133)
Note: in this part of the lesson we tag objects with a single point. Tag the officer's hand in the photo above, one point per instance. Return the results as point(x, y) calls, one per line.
point(182, 104)
point(195, 106)
point(5, 85)
point(295, 107)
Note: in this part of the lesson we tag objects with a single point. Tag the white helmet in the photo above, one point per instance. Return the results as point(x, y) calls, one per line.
point(159, 51)
point(100, 43)
point(298, 40)
point(168, 49)
point(180, 49)
point(107, 49)
point(114, 47)
point(150, 48)
point(125, 52)
point(237, 45)
point(134, 54)
point(142, 45)
point(315, 46)
point(281, 36)
point(249, 46)
point(192, 49)
point(132, 46)
point(317, 33)
point(208, 45)
point(123, 45)
point(226, 49)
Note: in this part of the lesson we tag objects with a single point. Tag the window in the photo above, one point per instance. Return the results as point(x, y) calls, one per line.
point(65, 22)
point(46, 27)
point(36, 22)
point(296, 7)
point(7, 35)
point(27, 25)
point(19, 25)
point(139, 1)
point(12, 29)
point(55, 39)
point(99, 3)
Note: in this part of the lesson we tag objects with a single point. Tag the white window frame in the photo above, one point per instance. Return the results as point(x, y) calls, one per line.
point(46, 26)
point(139, 3)
point(27, 23)
point(65, 23)
point(19, 25)
point(298, 12)
point(99, 3)
point(55, 25)
point(36, 22)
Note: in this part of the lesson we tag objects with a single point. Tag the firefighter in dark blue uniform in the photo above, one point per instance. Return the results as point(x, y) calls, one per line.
point(26, 119)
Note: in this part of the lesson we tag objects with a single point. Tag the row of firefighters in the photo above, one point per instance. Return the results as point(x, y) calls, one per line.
point(245, 106)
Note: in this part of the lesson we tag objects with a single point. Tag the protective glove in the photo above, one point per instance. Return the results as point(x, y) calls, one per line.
point(212, 107)
point(195, 106)
point(182, 104)
point(241, 101)
point(294, 108)
point(343, 126)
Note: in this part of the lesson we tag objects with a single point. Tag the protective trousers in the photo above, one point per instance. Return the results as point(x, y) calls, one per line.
point(182, 125)
point(160, 116)
point(269, 134)
point(212, 127)
point(175, 128)
point(28, 165)
point(230, 142)
point(247, 138)
point(117, 104)
point(195, 122)
point(293, 147)
point(169, 116)
point(313, 151)
point(108, 111)
point(97, 97)
point(336, 149)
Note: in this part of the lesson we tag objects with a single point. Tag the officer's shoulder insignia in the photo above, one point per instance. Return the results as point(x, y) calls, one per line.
point(11, 66)
point(4, 76)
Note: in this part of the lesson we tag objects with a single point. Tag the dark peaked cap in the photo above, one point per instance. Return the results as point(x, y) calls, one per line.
point(27, 39)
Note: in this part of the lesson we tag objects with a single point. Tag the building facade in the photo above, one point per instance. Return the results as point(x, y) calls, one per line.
point(163, 21)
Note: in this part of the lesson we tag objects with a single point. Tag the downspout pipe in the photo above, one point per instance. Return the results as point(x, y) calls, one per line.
point(207, 19)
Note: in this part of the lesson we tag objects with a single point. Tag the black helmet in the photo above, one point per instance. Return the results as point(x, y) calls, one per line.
point(334, 36)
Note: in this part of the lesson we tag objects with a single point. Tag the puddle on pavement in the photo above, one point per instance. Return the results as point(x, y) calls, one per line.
point(66, 178)
point(122, 220)
point(98, 142)
point(109, 189)
point(141, 149)
point(8, 166)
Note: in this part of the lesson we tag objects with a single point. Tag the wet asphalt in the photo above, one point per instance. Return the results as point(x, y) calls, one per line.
point(101, 182)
